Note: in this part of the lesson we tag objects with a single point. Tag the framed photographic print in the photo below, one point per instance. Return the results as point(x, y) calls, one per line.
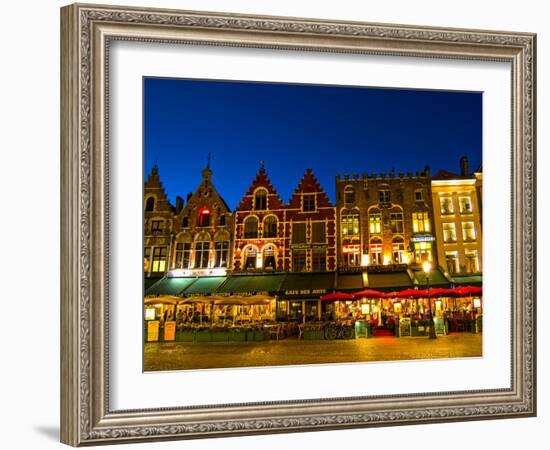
point(275, 224)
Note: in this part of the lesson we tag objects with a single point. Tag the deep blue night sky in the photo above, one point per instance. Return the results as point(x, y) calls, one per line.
point(331, 129)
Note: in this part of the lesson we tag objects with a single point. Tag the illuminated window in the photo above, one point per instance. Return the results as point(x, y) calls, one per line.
point(298, 233)
point(421, 222)
point(375, 249)
point(468, 231)
point(318, 233)
point(423, 251)
point(159, 259)
point(451, 259)
point(465, 205)
point(447, 206)
point(349, 195)
point(384, 196)
point(250, 258)
point(204, 217)
point(375, 222)
point(260, 199)
point(398, 250)
point(146, 259)
point(418, 197)
point(472, 264)
point(221, 252)
point(350, 224)
point(449, 232)
point(269, 262)
point(251, 227)
point(319, 260)
point(298, 260)
point(270, 227)
point(396, 222)
point(150, 204)
point(183, 255)
point(308, 202)
point(202, 251)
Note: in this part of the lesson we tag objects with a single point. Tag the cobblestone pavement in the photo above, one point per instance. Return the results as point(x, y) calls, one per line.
point(207, 355)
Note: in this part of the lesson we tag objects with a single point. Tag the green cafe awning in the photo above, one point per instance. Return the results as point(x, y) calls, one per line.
point(307, 285)
point(351, 281)
point(436, 278)
point(389, 280)
point(470, 280)
point(252, 284)
point(203, 286)
point(169, 286)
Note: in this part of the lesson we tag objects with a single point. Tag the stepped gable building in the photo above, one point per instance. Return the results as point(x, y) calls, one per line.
point(260, 235)
point(385, 220)
point(158, 223)
point(203, 231)
point(457, 207)
point(311, 228)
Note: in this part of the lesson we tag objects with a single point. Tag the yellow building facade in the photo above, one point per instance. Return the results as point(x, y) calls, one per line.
point(457, 218)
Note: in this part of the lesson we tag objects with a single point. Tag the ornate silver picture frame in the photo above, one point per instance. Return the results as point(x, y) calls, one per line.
point(87, 32)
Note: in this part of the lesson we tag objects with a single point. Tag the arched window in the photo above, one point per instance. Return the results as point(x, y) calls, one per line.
point(250, 256)
point(270, 227)
point(398, 250)
point(269, 261)
point(150, 204)
point(251, 228)
point(260, 199)
point(375, 248)
point(349, 195)
point(202, 250)
point(396, 220)
point(204, 217)
point(182, 255)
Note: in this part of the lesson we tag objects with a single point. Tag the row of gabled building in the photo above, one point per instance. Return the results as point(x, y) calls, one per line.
point(382, 225)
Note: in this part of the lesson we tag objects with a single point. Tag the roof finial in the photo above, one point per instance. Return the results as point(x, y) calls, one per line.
point(208, 163)
point(262, 164)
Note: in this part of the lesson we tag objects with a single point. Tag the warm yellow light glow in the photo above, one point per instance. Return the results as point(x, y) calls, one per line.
point(477, 302)
point(150, 314)
point(405, 259)
point(427, 267)
point(386, 260)
point(365, 309)
point(259, 262)
point(364, 260)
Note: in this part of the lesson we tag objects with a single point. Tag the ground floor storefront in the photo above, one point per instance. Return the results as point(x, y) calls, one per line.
point(190, 355)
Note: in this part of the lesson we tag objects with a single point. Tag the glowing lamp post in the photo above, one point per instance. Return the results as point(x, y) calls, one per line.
point(427, 266)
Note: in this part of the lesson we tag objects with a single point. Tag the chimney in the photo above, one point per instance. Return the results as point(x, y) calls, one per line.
point(189, 195)
point(179, 204)
point(464, 166)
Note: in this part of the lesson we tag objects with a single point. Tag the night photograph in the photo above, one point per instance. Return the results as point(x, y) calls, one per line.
point(291, 224)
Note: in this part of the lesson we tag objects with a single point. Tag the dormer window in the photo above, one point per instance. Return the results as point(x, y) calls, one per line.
point(260, 199)
point(204, 217)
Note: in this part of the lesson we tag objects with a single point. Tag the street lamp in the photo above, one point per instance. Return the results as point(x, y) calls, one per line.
point(427, 266)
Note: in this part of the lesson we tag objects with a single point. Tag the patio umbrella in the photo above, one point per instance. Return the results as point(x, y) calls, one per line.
point(370, 293)
point(163, 299)
point(408, 293)
point(468, 291)
point(336, 296)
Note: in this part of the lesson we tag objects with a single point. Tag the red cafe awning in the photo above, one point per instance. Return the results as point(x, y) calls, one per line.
point(407, 293)
point(335, 296)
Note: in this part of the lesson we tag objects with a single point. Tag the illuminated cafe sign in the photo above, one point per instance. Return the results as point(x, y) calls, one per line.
point(423, 237)
point(351, 248)
point(306, 292)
